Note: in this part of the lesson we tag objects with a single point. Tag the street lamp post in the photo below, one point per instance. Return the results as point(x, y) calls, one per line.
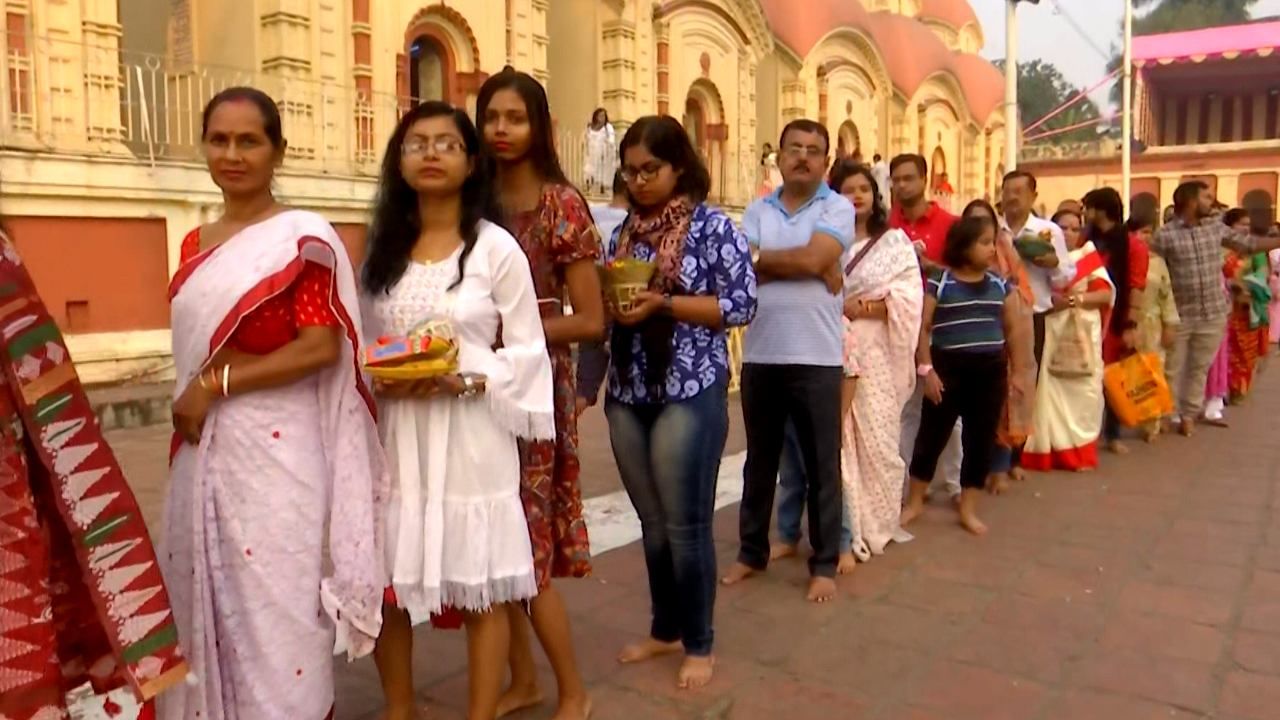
point(1011, 130)
point(1126, 109)
point(1011, 85)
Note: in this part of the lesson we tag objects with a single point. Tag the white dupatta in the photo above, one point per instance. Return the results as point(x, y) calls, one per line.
point(208, 302)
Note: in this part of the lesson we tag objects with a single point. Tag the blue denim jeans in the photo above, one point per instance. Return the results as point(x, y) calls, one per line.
point(669, 458)
point(792, 483)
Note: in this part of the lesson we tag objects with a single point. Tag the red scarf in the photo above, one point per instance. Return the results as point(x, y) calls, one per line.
point(665, 232)
point(81, 596)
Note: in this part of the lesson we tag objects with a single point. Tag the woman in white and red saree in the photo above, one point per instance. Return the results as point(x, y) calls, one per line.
point(81, 596)
point(276, 461)
point(1068, 407)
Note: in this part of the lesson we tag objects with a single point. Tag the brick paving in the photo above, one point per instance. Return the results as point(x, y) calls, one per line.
point(1149, 589)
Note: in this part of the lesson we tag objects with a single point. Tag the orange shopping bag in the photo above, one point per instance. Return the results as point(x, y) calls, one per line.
point(1137, 390)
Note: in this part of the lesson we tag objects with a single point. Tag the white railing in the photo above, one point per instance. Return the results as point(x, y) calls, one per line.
point(58, 96)
point(68, 97)
point(735, 177)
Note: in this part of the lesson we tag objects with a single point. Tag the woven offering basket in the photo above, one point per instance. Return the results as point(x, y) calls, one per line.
point(427, 351)
point(624, 279)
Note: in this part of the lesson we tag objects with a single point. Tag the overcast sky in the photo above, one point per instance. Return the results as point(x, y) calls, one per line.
point(1046, 34)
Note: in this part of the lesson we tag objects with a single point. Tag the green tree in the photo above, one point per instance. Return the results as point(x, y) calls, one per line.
point(1041, 90)
point(1175, 15)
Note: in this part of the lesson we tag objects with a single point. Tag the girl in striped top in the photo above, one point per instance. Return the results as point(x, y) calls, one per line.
point(969, 316)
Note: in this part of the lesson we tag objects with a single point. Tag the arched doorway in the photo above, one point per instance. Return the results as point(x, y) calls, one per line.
point(428, 70)
point(440, 59)
point(937, 167)
point(695, 123)
point(704, 120)
point(848, 142)
point(1261, 208)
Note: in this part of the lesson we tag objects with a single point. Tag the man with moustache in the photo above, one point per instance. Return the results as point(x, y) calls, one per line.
point(793, 352)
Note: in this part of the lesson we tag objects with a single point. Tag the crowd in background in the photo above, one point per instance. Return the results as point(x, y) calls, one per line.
point(893, 352)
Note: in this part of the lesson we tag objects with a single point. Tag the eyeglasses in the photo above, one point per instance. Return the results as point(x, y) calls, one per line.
point(799, 151)
point(443, 145)
point(644, 174)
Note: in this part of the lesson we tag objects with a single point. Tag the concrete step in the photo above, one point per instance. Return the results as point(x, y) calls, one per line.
point(131, 406)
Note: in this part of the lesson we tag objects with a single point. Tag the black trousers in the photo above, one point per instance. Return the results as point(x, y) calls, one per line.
point(974, 389)
point(1037, 330)
point(1110, 425)
point(809, 396)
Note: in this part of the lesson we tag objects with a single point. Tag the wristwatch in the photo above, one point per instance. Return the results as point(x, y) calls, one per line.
point(924, 370)
point(468, 386)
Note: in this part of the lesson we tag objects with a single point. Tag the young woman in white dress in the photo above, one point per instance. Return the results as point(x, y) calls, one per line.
point(602, 152)
point(456, 531)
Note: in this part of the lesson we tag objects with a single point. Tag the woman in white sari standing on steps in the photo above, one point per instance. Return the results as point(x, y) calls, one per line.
point(884, 297)
point(276, 461)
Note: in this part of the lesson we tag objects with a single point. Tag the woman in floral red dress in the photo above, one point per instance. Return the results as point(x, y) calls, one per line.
point(554, 227)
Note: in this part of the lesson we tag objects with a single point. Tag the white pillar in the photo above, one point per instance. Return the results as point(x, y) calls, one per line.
point(1126, 122)
point(1011, 129)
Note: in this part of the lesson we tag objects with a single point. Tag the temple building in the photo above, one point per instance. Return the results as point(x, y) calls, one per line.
point(100, 100)
point(1206, 106)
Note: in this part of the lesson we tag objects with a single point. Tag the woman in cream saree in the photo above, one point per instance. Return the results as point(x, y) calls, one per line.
point(1069, 405)
point(883, 302)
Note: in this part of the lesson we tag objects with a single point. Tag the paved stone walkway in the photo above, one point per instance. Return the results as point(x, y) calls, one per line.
point(1149, 589)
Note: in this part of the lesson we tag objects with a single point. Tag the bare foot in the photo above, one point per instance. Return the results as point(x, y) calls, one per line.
point(782, 550)
point(955, 501)
point(910, 512)
point(647, 649)
point(737, 574)
point(1085, 470)
point(821, 589)
point(695, 672)
point(1150, 435)
point(969, 521)
point(998, 483)
point(515, 699)
point(1018, 474)
point(1187, 428)
point(573, 709)
point(847, 563)
point(1115, 447)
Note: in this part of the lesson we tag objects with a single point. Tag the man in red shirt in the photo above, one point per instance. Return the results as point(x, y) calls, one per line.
point(927, 225)
point(922, 220)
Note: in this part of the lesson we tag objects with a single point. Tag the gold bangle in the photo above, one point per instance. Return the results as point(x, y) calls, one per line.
point(201, 379)
point(226, 380)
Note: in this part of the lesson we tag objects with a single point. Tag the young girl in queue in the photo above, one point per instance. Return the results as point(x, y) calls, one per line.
point(969, 318)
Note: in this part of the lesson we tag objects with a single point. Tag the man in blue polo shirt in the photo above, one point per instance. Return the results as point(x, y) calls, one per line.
point(793, 352)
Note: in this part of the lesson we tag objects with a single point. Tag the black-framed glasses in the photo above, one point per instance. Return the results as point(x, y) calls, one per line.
point(644, 173)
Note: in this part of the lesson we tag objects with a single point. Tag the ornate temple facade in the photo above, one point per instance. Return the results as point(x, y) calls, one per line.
point(100, 100)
